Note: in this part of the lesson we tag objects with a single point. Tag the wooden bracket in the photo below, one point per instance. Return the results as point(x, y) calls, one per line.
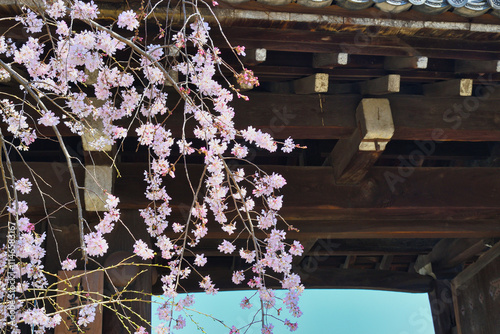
point(405, 63)
point(455, 87)
point(381, 86)
point(330, 60)
point(476, 66)
point(352, 157)
point(316, 83)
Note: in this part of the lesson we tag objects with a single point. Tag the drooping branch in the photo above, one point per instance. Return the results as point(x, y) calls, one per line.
point(67, 156)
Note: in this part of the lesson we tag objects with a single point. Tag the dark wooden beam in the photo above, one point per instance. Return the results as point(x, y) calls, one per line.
point(395, 228)
point(391, 202)
point(349, 74)
point(345, 88)
point(324, 117)
point(449, 253)
point(477, 66)
point(64, 228)
point(295, 40)
point(329, 278)
point(366, 279)
point(415, 117)
point(311, 192)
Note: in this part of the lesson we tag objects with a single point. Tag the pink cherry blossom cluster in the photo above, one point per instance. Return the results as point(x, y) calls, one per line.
point(80, 69)
point(26, 269)
point(247, 78)
point(17, 124)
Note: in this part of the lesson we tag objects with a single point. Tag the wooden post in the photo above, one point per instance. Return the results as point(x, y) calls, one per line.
point(316, 83)
point(455, 87)
point(441, 303)
point(352, 157)
point(476, 295)
point(381, 86)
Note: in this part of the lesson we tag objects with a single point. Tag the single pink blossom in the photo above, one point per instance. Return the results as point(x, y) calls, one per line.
point(226, 247)
point(200, 260)
point(245, 303)
point(141, 249)
point(23, 185)
point(95, 244)
point(238, 277)
point(68, 264)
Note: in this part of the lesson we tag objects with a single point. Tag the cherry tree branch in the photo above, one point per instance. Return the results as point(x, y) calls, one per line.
point(66, 154)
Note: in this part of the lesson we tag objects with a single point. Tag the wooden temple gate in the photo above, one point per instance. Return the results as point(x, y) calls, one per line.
point(399, 188)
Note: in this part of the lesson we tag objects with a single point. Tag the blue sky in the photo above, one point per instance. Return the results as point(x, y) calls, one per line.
point(325, 311)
